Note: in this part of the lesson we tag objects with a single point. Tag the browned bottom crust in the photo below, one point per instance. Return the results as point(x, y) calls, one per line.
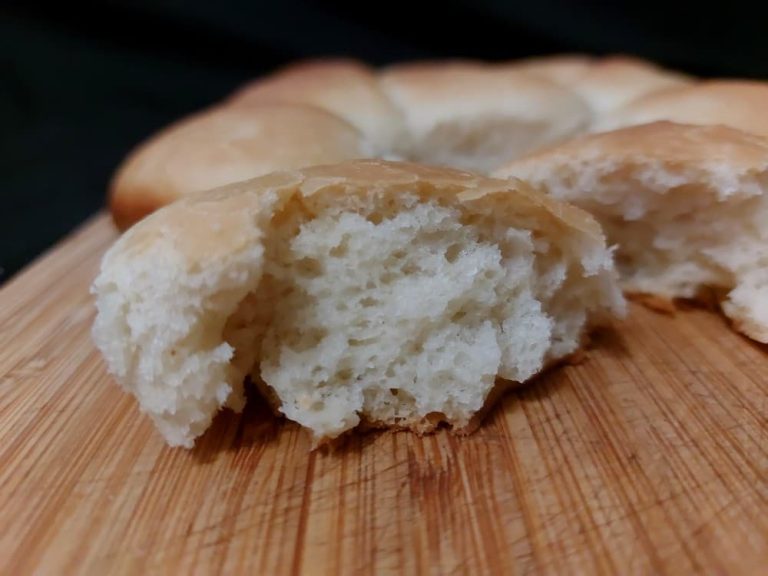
point(708, 297)
point(653, 301)
point(432, 422)
point(435, 420)
point(127, 210)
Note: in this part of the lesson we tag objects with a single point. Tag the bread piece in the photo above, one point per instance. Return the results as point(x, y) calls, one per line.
point(224, 145)
point(739, 104)
point(460, 113)
point(476, 116)
point(615, 81)
point(381, 292)
point(344, 87)
point(563, 69)
point(687, 206)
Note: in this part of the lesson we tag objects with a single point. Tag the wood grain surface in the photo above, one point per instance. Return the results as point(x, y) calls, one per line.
point(650, 457)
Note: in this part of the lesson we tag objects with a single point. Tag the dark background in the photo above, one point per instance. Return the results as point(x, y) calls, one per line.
point(82, 82)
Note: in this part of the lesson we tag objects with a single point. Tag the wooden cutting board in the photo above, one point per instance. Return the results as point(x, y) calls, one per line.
point(651, 457)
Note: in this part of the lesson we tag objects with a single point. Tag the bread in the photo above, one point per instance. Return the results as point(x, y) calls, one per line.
point(563, 69)
point(344, 87)
point(476, 116)
point(739, 104)
point(463, 113)
point(605, 83)
point(362, 292)
point(686, 205)
point(618, 80)
point(224, 145)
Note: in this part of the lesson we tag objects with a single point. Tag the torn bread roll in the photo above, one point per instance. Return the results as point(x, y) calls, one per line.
point(686, 205)
point(369, 291)
point(224, 145)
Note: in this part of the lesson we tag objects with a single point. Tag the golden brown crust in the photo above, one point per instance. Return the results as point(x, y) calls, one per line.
point(468, 187)
point(207, 226)
point(419, 68)
point(739, 104)
point(424, 87)
point(304, 114)
point(653, 302)
point(563, 69)
point(344, 87)
point(706, 297)
point(225, 145)
point(658, 142)
point(615, 81)
point(430, 423)
point(127, 209)
point(423, 81)
point(290, 83)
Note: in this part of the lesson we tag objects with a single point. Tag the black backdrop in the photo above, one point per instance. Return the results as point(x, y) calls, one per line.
point(82, 82)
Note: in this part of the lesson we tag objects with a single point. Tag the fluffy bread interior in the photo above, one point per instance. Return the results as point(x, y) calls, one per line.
point(686, 218)
point(396, 311)
point(397, 316)
point(678, 236)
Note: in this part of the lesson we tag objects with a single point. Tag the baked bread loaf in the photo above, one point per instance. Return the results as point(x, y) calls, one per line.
point(686, 205)
point(368, 291)
point(461, 113)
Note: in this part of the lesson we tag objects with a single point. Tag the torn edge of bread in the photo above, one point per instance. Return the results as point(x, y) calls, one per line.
point(367, 291)
point(686, 206)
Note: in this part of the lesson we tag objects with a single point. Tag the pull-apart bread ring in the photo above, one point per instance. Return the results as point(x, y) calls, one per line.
point(687, 207)
point(352, 290)
point(371, 292)
point(466, 114)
